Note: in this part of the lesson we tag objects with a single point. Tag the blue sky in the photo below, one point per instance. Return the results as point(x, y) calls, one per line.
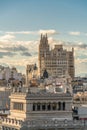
point(22, 21)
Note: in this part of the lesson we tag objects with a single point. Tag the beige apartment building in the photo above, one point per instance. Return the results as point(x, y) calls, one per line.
point(58, 61)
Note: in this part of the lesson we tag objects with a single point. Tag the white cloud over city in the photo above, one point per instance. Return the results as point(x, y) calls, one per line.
point(49, 32)
point(75, 33)
point(6, 37)
point(19, 53)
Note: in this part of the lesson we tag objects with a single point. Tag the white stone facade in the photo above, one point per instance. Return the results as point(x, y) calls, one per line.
point(27, 106)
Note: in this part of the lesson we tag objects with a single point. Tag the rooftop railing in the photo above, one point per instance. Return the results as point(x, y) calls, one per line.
point(52, 123)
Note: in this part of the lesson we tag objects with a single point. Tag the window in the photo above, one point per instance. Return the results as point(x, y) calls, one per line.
point(33, 107)
point(59, 105)
point(38, 107)
point(63, 105)
point(49, 107)
point(54, 106)
point(18, 106)
point(43, 106)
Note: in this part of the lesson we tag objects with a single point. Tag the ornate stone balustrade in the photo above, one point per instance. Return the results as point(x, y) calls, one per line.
point(48, 94)
point(45, 123)
point(9, 121)
point(55, 123)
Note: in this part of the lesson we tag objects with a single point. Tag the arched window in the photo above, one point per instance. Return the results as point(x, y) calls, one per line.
point(63, 105)
point(43, 107)
point(33, 107)
point(59, 105)
point(54, 106)
point(38, 106)
point(49, 107)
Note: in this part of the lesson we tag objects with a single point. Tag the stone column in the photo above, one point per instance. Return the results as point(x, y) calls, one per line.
point(57, 106)
point(68, 106)
point(40, 106)
point(46, 107)
point(31, 106)
point(61, 106)
point(51, 106)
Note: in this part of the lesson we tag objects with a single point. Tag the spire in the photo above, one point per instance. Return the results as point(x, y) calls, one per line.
point(44, 40)
point(72, 49)
point(46, 35)
point(41, 36)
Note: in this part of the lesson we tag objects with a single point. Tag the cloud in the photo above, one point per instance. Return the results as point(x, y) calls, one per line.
point(43, 31)
point(6, 38)
point(22, 32)
point(49, 32)
point(76, 44)
point(79, 45)
point(20, 62)
point(15, 48)
point(19, 48)
point(74, 33)
point(82, 45)
point(81, 66)
point(26, 54)
point(9, 54)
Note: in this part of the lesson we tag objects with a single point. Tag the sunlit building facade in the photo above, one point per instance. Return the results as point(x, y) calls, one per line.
point(57, 61)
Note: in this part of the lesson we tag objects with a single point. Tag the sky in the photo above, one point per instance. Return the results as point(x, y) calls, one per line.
point(23, 21)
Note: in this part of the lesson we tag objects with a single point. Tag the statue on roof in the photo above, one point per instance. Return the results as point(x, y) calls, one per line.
point(45, 74)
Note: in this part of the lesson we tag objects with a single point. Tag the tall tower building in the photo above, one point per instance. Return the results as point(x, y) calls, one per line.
point(57, 62)
point(43, 52)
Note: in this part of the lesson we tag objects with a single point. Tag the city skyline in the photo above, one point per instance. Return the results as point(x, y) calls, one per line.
point(22, 23)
